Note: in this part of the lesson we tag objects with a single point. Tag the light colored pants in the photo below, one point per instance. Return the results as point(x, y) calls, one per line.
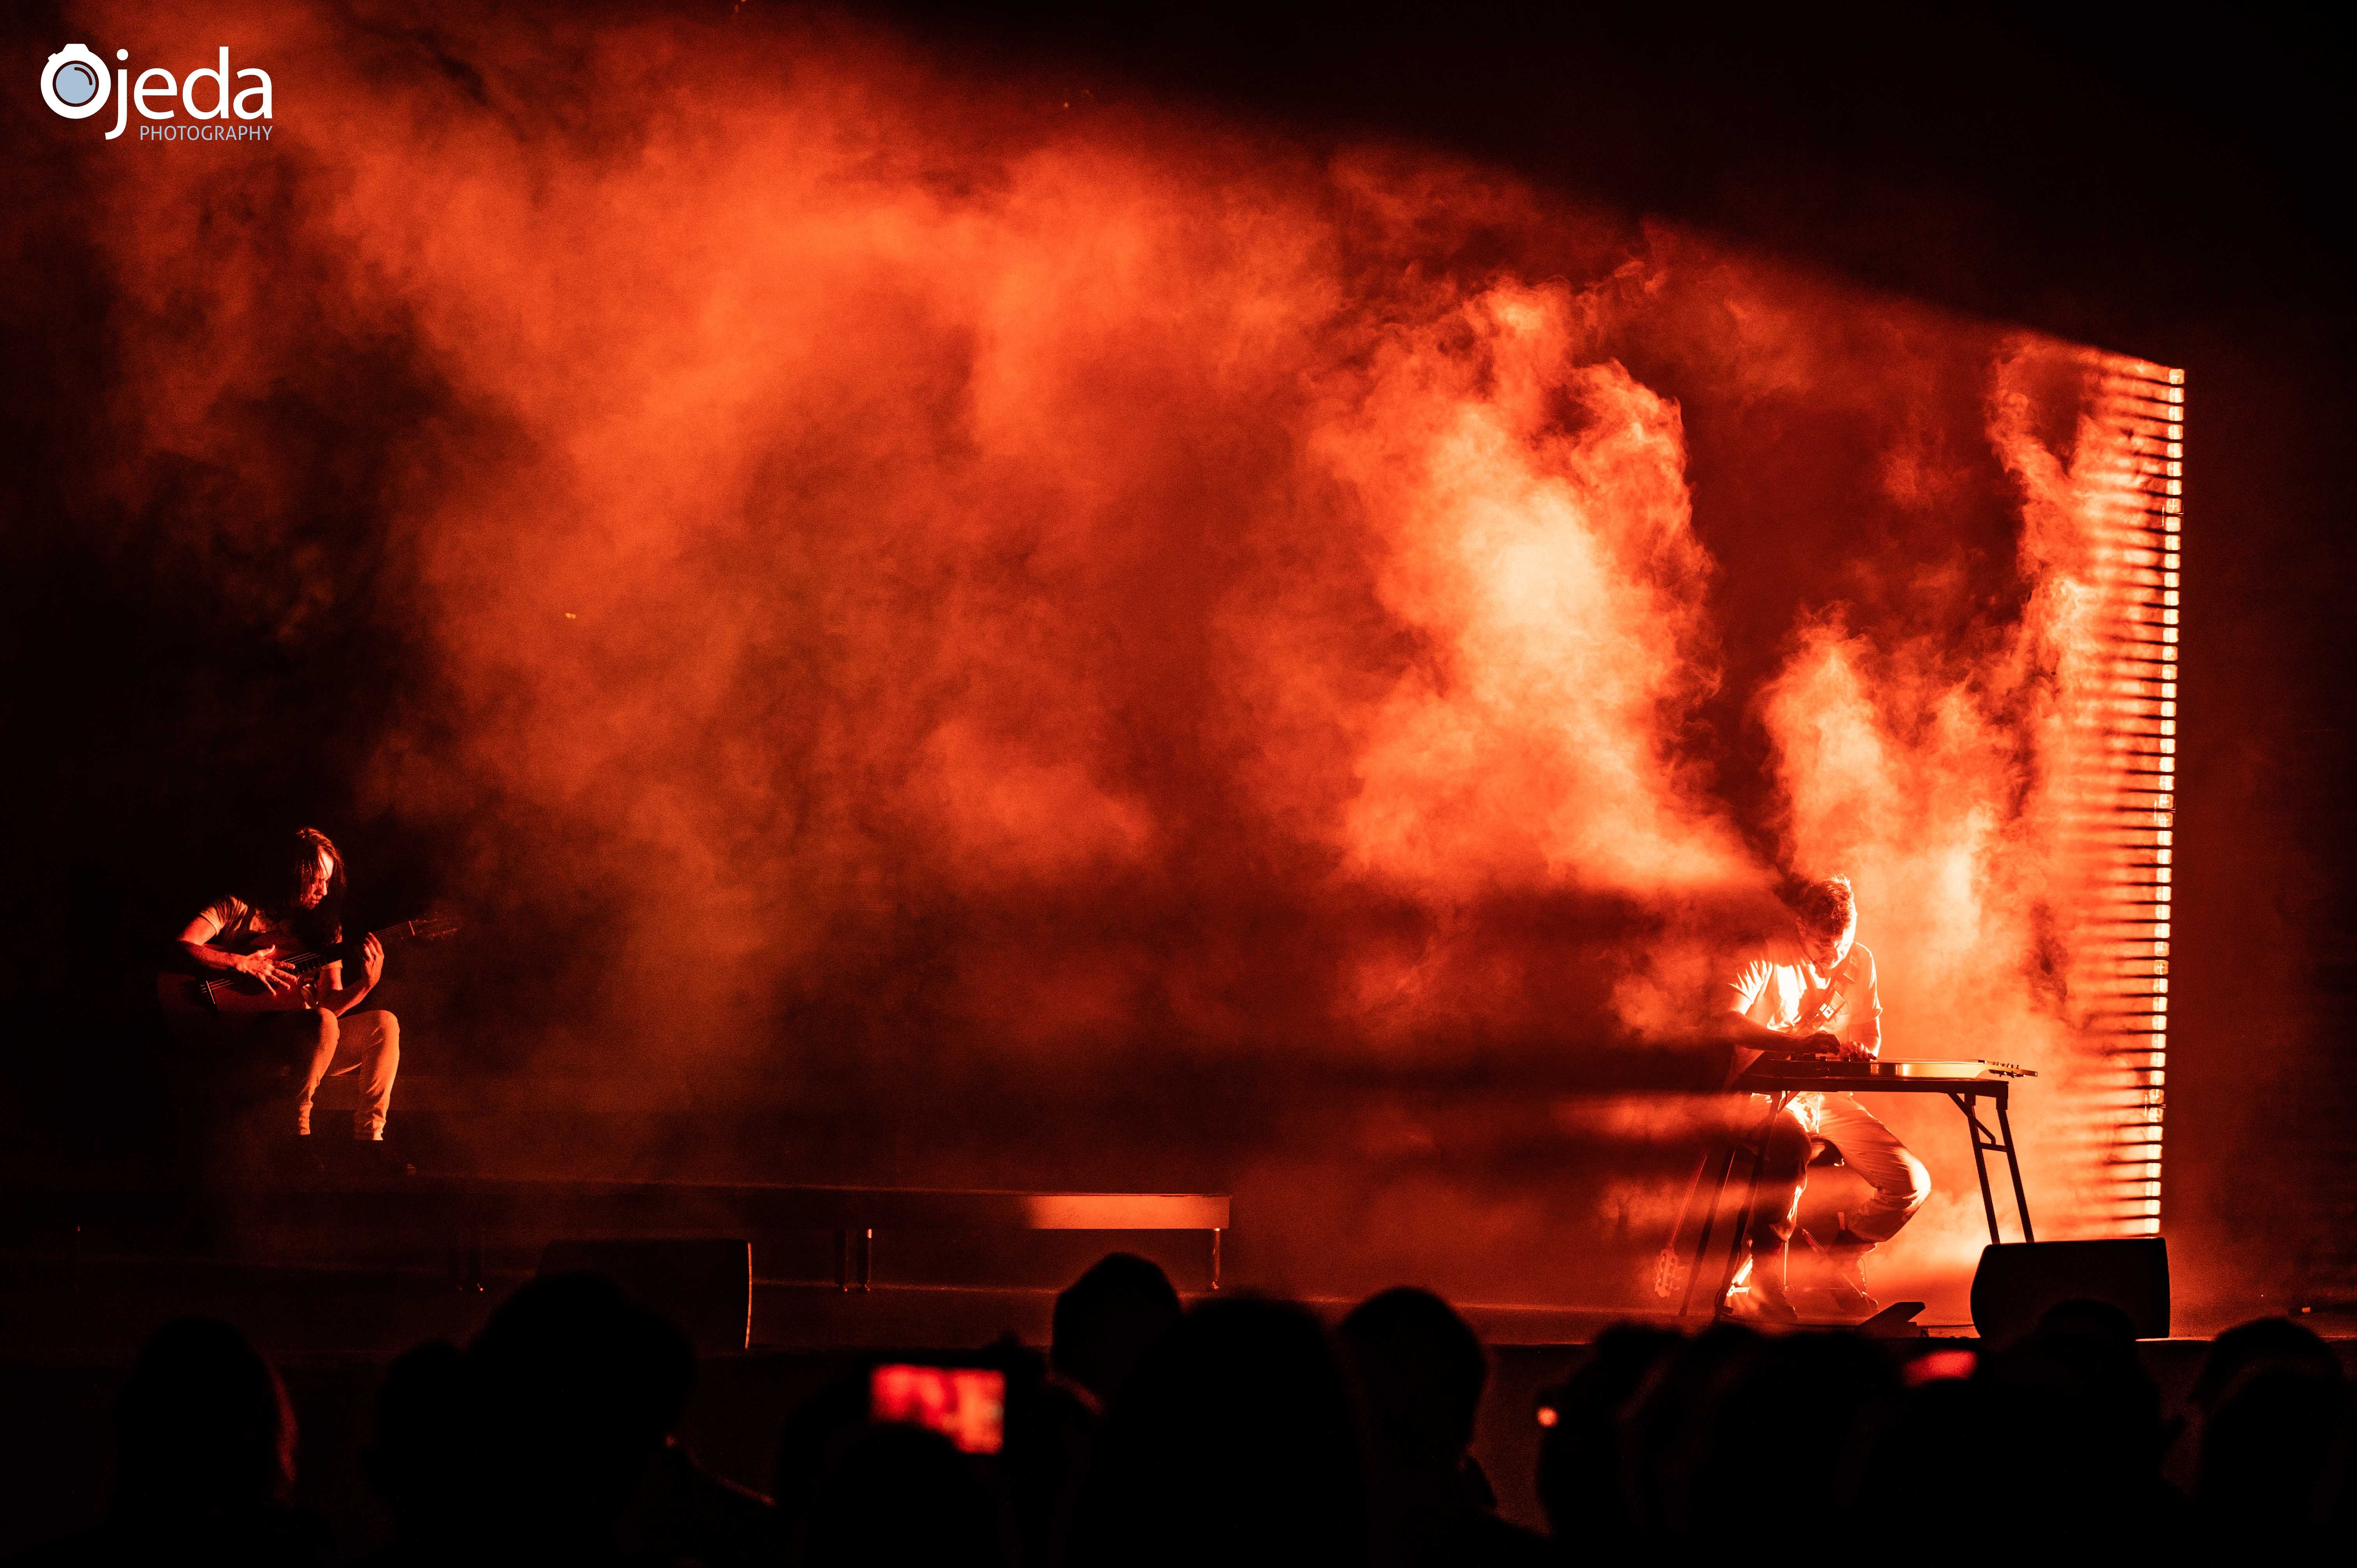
point(320, 1044)
point(1899, 1181)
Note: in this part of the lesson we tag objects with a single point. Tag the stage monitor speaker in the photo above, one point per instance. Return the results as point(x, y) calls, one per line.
point(705, 1285)
point(2018, 1281)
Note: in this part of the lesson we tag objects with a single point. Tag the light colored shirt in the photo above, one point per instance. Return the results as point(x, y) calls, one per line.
point(1777, 986)
point(244, 929)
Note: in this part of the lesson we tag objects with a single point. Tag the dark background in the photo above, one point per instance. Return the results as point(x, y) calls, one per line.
point(2168, 187)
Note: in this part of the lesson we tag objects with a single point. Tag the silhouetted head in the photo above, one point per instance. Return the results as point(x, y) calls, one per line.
point(1824, 914)
point(203, 1426)
point(1236, 1441)
point(2267, 1470)
point(902, 1494)
point(2266, 1342)
point(2079, 1420)
point(1939, 1432)
point(814, 1437)
point(1752, 1460)
point(1109, 1318)
point(1584, 1453)
point(1422, 1370)
point(2086, 1318)
point(421, 1464)
point(1674, 1419)
point(578, 1387)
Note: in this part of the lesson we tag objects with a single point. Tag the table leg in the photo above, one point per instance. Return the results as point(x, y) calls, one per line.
point(1215, 1258)
point(1974, 1130)
point(2013, 1161)
point(1742, 1229)
point(1709, 1222)
point(854, 1259)
point(465, 1237)
point(1665, 1267)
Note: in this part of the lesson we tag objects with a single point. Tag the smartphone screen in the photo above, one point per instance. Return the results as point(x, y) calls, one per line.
point(965, 1404)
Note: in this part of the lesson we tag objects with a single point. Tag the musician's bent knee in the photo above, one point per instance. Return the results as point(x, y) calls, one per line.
point(1919, 1182)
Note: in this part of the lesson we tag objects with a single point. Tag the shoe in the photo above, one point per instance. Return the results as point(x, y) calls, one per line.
point(1846, 1258)
point(1758, 1297)
point(377, 1160)
point(1768, 1299)
point(298, 1158)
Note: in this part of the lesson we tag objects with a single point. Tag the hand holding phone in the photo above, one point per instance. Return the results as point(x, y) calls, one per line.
point(965, 1404)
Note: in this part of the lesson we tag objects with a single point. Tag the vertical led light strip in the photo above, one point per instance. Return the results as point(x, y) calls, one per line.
point(2138, 418)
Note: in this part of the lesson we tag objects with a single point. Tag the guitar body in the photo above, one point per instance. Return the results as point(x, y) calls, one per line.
point(226, 994)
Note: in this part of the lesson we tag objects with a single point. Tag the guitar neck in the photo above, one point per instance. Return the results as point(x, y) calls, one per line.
point(307, 962)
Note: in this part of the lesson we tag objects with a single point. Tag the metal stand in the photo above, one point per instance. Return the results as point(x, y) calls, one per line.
point(466, 1253)
point(1985, 1143)
point(1963, 1094)
point(854, 1268)
point(1756, 1147)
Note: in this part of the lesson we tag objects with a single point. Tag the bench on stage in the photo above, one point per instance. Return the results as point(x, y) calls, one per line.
point(471, 1213)
point(516, 1215)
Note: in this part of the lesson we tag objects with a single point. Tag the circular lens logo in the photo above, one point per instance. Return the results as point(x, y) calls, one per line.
point(74, 82)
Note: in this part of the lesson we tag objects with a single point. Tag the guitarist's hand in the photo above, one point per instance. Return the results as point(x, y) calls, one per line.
point(371, 961)
point(274, 976)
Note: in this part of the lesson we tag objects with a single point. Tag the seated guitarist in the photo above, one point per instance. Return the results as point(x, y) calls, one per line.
point(318, 1034)
point(1810, 991)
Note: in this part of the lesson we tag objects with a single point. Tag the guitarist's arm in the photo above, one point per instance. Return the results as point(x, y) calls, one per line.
point(339, 998)
point(1768, 1042)
point(195, 943)
point(1748, 1034)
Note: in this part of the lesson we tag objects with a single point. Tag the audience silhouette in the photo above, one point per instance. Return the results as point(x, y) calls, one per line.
point(1109, 1318)
point(1236, 1440)
point(1586, 1476)
point(205, 1445)
point(1421, 1369)
point(574, 1392)
point(2273, 1439)
point(900, 1494)
point(1242, 1432)
point(419, 1463)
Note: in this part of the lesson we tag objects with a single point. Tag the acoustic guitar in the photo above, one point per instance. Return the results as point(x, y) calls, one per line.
point(226, 994)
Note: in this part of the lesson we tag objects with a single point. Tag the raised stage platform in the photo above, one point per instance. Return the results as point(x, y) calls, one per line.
point(475, 1228)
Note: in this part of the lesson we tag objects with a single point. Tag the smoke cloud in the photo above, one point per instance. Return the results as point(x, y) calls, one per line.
point(1068, 638)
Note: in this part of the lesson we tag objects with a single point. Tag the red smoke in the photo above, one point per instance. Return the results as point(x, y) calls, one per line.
point(908, 571)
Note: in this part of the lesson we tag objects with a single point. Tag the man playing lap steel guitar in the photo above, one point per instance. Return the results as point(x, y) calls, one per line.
point(1810, 991)
point(283, 1002)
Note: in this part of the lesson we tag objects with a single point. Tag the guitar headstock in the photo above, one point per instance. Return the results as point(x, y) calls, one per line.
point(430, 927)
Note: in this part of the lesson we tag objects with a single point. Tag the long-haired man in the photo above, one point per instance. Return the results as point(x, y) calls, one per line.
point(290, 907)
